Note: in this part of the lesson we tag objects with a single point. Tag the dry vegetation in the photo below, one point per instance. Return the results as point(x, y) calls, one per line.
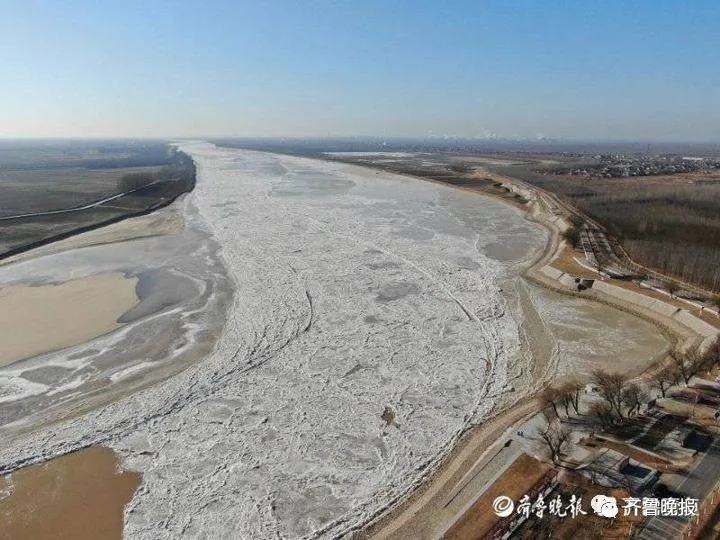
point(668, 223)
point(50, 190)
point(514, 482)
point(584, 526)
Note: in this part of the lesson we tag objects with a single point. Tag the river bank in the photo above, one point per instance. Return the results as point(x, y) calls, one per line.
point(424, 513)
point(355, 295)
point(78, 315)
point(46, 202)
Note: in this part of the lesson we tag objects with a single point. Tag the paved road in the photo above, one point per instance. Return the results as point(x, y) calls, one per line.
point(696, 484)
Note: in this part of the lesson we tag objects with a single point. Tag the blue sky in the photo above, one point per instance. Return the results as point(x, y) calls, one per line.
point(579, 69)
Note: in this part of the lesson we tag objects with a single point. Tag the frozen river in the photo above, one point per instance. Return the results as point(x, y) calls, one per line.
point(367, 330)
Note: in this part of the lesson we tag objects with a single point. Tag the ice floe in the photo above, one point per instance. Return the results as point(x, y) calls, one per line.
point(370, 296)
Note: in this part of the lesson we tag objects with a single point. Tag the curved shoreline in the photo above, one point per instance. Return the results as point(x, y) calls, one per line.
point(161, 408)
point(163, 202)
point(494, 425)
point(172, 291)
point(477, 441)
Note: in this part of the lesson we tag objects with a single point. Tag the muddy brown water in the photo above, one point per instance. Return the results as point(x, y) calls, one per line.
point(77, 496)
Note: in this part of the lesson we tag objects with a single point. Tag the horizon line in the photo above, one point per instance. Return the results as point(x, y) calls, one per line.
point(386, 138)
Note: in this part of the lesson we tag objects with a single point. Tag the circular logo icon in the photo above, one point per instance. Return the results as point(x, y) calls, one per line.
point(503, 506)
point(604, 506)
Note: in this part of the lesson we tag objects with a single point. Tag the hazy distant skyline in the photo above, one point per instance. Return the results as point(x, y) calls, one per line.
point(612, 69)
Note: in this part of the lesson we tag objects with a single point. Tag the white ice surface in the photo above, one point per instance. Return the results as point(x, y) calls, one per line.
point(355, 291)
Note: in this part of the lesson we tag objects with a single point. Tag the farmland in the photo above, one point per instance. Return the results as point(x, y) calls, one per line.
point(51, 189)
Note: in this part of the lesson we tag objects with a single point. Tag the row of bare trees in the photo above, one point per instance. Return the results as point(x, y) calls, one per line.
point(622, 398)
point(565, 396)
point(666, 225)
point(697, 264)
point(684, 365)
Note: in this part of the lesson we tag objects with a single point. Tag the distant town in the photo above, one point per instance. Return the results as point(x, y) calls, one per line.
point(623, 165)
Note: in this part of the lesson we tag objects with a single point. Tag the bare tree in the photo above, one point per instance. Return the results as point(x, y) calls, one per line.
point(568, 395)
point(706, 360)
point(665, 378)
point(688, 363)
point(556, 437)
point(603, 413)
point(572, 236)
point(576, 387)
point(549, 414)
point(633, 397)
point(549, 399)
point(576, 221)
point(611, 388)
point(678, 359)
point(565, 398)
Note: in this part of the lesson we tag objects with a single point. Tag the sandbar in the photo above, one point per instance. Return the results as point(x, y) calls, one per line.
point(40, 319)
point(164, 221)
